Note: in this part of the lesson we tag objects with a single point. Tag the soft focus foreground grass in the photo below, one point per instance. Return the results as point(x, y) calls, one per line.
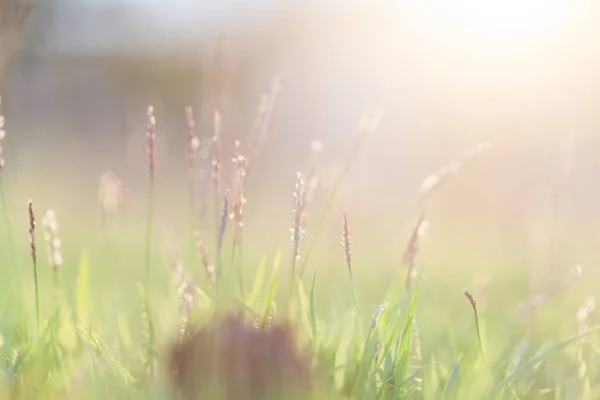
point(98, 348)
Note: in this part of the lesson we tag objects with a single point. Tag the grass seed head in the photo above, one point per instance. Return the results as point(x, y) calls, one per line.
point(412, 250)
point(297, 231)
point(238, 199)
point(471, 299)
point(151, 139)
point(2, 135)
point(210, 269)
point(53, 243)
point(346, 243)
point(193, 141)
point(186, 291)
point(224, 217)
point(215, 148)
point(32, 230)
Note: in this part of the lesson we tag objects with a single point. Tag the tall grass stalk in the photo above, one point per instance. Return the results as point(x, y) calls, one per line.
point(34, 260)
point(216, 172)
point(473, 302)
point(237, 212)
point(193, 146)
point(346, 244)
point(220, 235)
point(9, 232)
point(151, 143)
point(368, 124)
point(16, 284)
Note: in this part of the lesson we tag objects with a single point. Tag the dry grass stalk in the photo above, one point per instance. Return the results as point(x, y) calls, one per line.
point(255, 144)
point(412, 250)
point(223, 223)
point(231, 359)
point(203, 174)
point(215, 150)
point(2, 135)
point(297, 230)
point(584, 313)
point(238, 199)
point(263, 121)
point(172, 255)
point(110, 197)
point(34, 259)
point(368, 123)
point(549, 291)
point(434, 181)
point(4, 204)
point(186, 291)
point(209, 268)
point(32, 230)
point(53, 243)
point(473, 302)
point(312, 181)
point(193, 143)
point(345, 242)
point(151, 139)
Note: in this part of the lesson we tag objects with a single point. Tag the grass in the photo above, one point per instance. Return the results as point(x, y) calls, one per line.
point(409, 336)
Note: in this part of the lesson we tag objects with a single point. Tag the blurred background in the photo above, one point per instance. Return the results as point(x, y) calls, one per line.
point(78, 75)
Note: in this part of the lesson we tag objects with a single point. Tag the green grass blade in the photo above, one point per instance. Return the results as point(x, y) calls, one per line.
point(404, 347)
point(538, 358)
point(451, 382)
point(83, 283)
point(271, 289)
point(313, 313)
point(257, 287)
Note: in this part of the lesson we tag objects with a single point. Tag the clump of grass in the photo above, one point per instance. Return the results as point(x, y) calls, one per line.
point(473, 302)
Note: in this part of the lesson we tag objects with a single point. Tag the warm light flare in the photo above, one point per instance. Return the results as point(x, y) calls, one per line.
point(500, 24)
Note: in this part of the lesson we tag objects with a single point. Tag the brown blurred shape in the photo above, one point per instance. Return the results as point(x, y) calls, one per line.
point(233, 359)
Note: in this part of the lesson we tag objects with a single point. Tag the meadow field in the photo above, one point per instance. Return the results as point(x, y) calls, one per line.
point(174, 285)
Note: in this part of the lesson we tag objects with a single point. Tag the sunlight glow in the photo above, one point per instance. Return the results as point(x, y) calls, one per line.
point(500, 24)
